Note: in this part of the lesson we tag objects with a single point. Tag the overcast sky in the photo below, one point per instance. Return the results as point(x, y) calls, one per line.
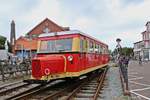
point(103, 19)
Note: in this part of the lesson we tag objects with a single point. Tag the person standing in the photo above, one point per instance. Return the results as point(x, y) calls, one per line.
point(140, 60)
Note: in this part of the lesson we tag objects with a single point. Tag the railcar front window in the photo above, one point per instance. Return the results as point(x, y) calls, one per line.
point(62, 45)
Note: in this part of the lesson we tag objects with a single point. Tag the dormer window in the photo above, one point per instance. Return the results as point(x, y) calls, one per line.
point(46, 30)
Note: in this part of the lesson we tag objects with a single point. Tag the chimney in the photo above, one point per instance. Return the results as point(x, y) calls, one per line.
point(12, 35)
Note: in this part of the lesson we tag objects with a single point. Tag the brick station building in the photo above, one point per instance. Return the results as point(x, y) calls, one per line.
point(26, 46)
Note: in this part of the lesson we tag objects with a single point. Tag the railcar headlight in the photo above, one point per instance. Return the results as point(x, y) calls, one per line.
point(47, 71)
point(70, 58)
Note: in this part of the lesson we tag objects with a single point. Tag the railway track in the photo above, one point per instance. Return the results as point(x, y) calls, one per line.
point(9, 85)
point(30, 90)
point(13, 89)
point(85, 89)
point(88, 89)
point(68, 90)
point(64, 90)
point(44, 92)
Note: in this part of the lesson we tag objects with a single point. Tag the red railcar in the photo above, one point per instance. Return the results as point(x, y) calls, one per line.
point(67, 54)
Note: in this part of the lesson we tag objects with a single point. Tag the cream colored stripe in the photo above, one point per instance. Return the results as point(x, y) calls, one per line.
point(71, 74)
point(65, 63)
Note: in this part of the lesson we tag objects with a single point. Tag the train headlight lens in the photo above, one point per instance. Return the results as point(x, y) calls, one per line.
point(70, 58)
point(47, 71)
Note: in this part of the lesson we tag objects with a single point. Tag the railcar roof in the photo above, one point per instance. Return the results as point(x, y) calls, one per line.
point(69, 32)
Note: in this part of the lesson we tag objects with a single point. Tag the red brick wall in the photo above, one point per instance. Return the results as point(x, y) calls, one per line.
point(32, 44)
point(46, 23)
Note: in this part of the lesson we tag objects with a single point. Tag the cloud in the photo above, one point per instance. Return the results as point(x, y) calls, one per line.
point(103, 19)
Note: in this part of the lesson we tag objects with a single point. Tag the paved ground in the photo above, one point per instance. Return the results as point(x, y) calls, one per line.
point(139, 80)
point(112, 86)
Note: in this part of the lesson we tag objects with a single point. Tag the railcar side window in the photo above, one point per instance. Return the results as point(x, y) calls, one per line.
point(91, 49)
point(43, 46)
point(96, 48)
point(105, 50)
point(100, 49)
point(86, 45)
point(61, 45)
point(81, 45)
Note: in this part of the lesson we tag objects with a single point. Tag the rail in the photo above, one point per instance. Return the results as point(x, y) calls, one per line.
point(64, 89)
point(9, 91)
point(98, 87)
point(100, 80)
point(27, 90)
point(31, 92)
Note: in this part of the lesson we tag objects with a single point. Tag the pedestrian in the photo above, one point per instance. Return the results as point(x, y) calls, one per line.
point(140, 60)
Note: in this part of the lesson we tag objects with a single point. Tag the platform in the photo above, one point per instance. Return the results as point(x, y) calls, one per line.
point(112, 89)
point(139, 80)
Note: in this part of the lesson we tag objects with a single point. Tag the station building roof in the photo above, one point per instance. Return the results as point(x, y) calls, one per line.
point(29, 41)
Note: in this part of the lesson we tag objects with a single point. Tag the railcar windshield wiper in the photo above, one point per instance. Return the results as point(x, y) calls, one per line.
point(61, 50)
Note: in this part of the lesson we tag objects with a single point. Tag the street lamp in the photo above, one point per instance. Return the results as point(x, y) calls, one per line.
point(6, 46)
point(118, 40)
point(118, 47)
point(123, 69)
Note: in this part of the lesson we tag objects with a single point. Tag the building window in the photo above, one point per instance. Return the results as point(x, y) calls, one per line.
point(46, 30)
point(18, 46)
point(34, 35)
point(146, 54)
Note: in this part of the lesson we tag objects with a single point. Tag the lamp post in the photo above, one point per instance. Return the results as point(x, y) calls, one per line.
point(123, 69)
point(118, 47)
point(6, 46)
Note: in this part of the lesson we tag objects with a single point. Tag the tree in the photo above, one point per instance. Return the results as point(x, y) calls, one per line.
point(2, 42)
point(128, 51)
point(109, 51)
